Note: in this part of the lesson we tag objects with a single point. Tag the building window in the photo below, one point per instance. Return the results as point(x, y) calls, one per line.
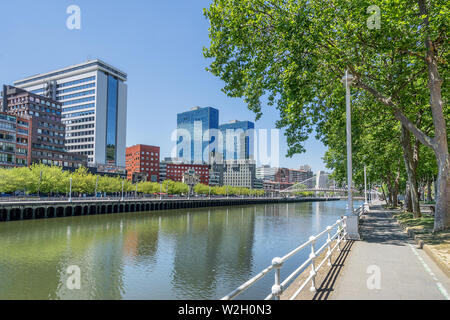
point(111, 125)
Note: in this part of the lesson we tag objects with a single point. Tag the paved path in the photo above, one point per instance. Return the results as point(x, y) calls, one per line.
point(405, 271)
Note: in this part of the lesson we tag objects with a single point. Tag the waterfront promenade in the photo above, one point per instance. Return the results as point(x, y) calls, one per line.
point(386, 264)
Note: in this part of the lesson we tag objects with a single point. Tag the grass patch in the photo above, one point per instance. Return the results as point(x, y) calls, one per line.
point(425, 223)
point(423, 227)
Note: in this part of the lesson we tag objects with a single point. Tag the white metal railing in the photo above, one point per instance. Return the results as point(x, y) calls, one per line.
point(360, 210)
point(277, 263)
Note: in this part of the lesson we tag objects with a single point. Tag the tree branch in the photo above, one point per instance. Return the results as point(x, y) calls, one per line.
point(399, 115)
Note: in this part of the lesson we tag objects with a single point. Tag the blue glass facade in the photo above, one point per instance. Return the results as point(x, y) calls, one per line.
point(111, 120)
point(197, 134)
point(241, 132)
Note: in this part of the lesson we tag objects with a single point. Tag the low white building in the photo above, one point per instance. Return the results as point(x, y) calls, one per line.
point(239, 173)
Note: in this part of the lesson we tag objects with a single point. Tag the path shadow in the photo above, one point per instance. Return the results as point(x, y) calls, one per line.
point(327, 285)
point(380, 227)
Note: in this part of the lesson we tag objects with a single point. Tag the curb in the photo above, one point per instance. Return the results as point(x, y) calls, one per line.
point(426, 248)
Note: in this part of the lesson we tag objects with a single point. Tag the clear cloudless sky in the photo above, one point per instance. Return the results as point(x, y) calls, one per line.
point(159, 44)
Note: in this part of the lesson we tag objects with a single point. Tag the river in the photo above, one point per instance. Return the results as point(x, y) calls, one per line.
point(180, 254)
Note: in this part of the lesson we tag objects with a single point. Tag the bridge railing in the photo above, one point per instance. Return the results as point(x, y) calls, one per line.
point(279, 286)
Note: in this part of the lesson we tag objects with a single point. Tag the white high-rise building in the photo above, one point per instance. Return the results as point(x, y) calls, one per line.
point(266, 173)
point(94, 108)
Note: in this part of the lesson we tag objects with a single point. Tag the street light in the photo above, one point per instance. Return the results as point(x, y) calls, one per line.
point(39, 187)
point(122, 191)
point(70, 190)
point(96, 185)
point(366, 205)
point(352, 219)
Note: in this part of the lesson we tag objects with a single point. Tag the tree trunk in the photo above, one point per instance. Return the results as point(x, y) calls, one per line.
point(411, 158)
point(408, 202)
point(442, 214)
point(440, 145)
point(429, 198)
point(390, 190)
point(396, 189)
point(384, 195)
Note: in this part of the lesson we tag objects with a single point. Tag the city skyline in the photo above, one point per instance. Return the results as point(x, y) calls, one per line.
point(166, 73)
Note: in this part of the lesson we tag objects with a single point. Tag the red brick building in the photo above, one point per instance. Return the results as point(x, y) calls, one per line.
point(14, 148)
point(173, 170)
point(143, 159)
point(40, 134)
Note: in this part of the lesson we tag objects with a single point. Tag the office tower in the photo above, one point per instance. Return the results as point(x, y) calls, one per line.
point(143, 159)
point(197, 132)
point(93, 96)
point(237, 139)
point(39, 135)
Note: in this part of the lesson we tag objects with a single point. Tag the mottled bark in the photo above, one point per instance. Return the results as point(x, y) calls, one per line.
point(440, 144)
point(429, 198)
point(411, 159)
point(408, 202)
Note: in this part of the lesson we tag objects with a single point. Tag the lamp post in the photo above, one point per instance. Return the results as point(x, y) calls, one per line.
point(70, 190)
point(122, 192)
point(39, 186)
point(352, 219)
point(96, 185)
point(366, 204)
point(209, 192)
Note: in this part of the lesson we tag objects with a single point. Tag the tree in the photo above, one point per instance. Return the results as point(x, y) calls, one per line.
point(83, 182)
point(296, 52)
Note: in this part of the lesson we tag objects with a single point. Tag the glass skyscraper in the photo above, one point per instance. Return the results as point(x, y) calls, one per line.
point(94, 108)
point(237, 139)
point(197, 134)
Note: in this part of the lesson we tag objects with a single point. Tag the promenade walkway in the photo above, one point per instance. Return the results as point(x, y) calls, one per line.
point(386, 264)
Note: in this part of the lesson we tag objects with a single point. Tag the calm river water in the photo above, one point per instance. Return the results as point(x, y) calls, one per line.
point(179, 254)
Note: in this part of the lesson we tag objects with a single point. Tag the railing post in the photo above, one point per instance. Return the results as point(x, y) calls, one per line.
point(277, 263)
point(313, 267)
point(344, 229)
point(339, 232)
point(329, 245)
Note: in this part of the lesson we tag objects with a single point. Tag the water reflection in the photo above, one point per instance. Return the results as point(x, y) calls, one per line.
point(196, 254)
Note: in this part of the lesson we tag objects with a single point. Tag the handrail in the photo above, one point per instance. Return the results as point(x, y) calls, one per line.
point(277, 262)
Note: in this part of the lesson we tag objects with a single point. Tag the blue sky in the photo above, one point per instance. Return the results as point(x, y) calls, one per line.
point(157, 43)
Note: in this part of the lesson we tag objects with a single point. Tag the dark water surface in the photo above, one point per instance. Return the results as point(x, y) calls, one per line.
point(180, 254)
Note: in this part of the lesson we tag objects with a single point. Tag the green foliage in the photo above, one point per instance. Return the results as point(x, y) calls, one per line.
point(293, 54)
point(53, 180)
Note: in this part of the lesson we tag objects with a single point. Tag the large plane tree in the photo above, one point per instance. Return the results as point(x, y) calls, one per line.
point(293, 53)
